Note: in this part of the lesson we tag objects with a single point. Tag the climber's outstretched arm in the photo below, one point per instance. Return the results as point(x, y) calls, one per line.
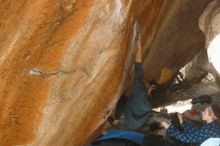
point(138, 57)
point(138, 84)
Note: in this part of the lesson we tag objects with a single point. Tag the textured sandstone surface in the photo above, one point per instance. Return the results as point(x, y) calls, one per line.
point(64, 63)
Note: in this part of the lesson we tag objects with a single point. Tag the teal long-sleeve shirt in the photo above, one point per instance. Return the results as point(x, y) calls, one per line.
point(137, 108)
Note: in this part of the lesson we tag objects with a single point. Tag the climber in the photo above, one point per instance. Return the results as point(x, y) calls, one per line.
point(196, 135)
point(137, 107)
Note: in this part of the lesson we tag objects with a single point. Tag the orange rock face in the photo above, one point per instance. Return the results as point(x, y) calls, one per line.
point(63, 64)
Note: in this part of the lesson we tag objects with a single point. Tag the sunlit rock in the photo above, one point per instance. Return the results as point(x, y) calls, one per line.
point(210, 25)
point(214, 52)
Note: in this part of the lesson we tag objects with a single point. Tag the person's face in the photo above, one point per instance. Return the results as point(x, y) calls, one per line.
point(205, 115)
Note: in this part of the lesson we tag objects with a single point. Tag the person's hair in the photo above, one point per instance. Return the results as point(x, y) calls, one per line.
point(216, 110)
point(201, 107)
point(153, 82)
point(202, 99)
point(158, 95)
point(212, 109)
point(202, 102)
